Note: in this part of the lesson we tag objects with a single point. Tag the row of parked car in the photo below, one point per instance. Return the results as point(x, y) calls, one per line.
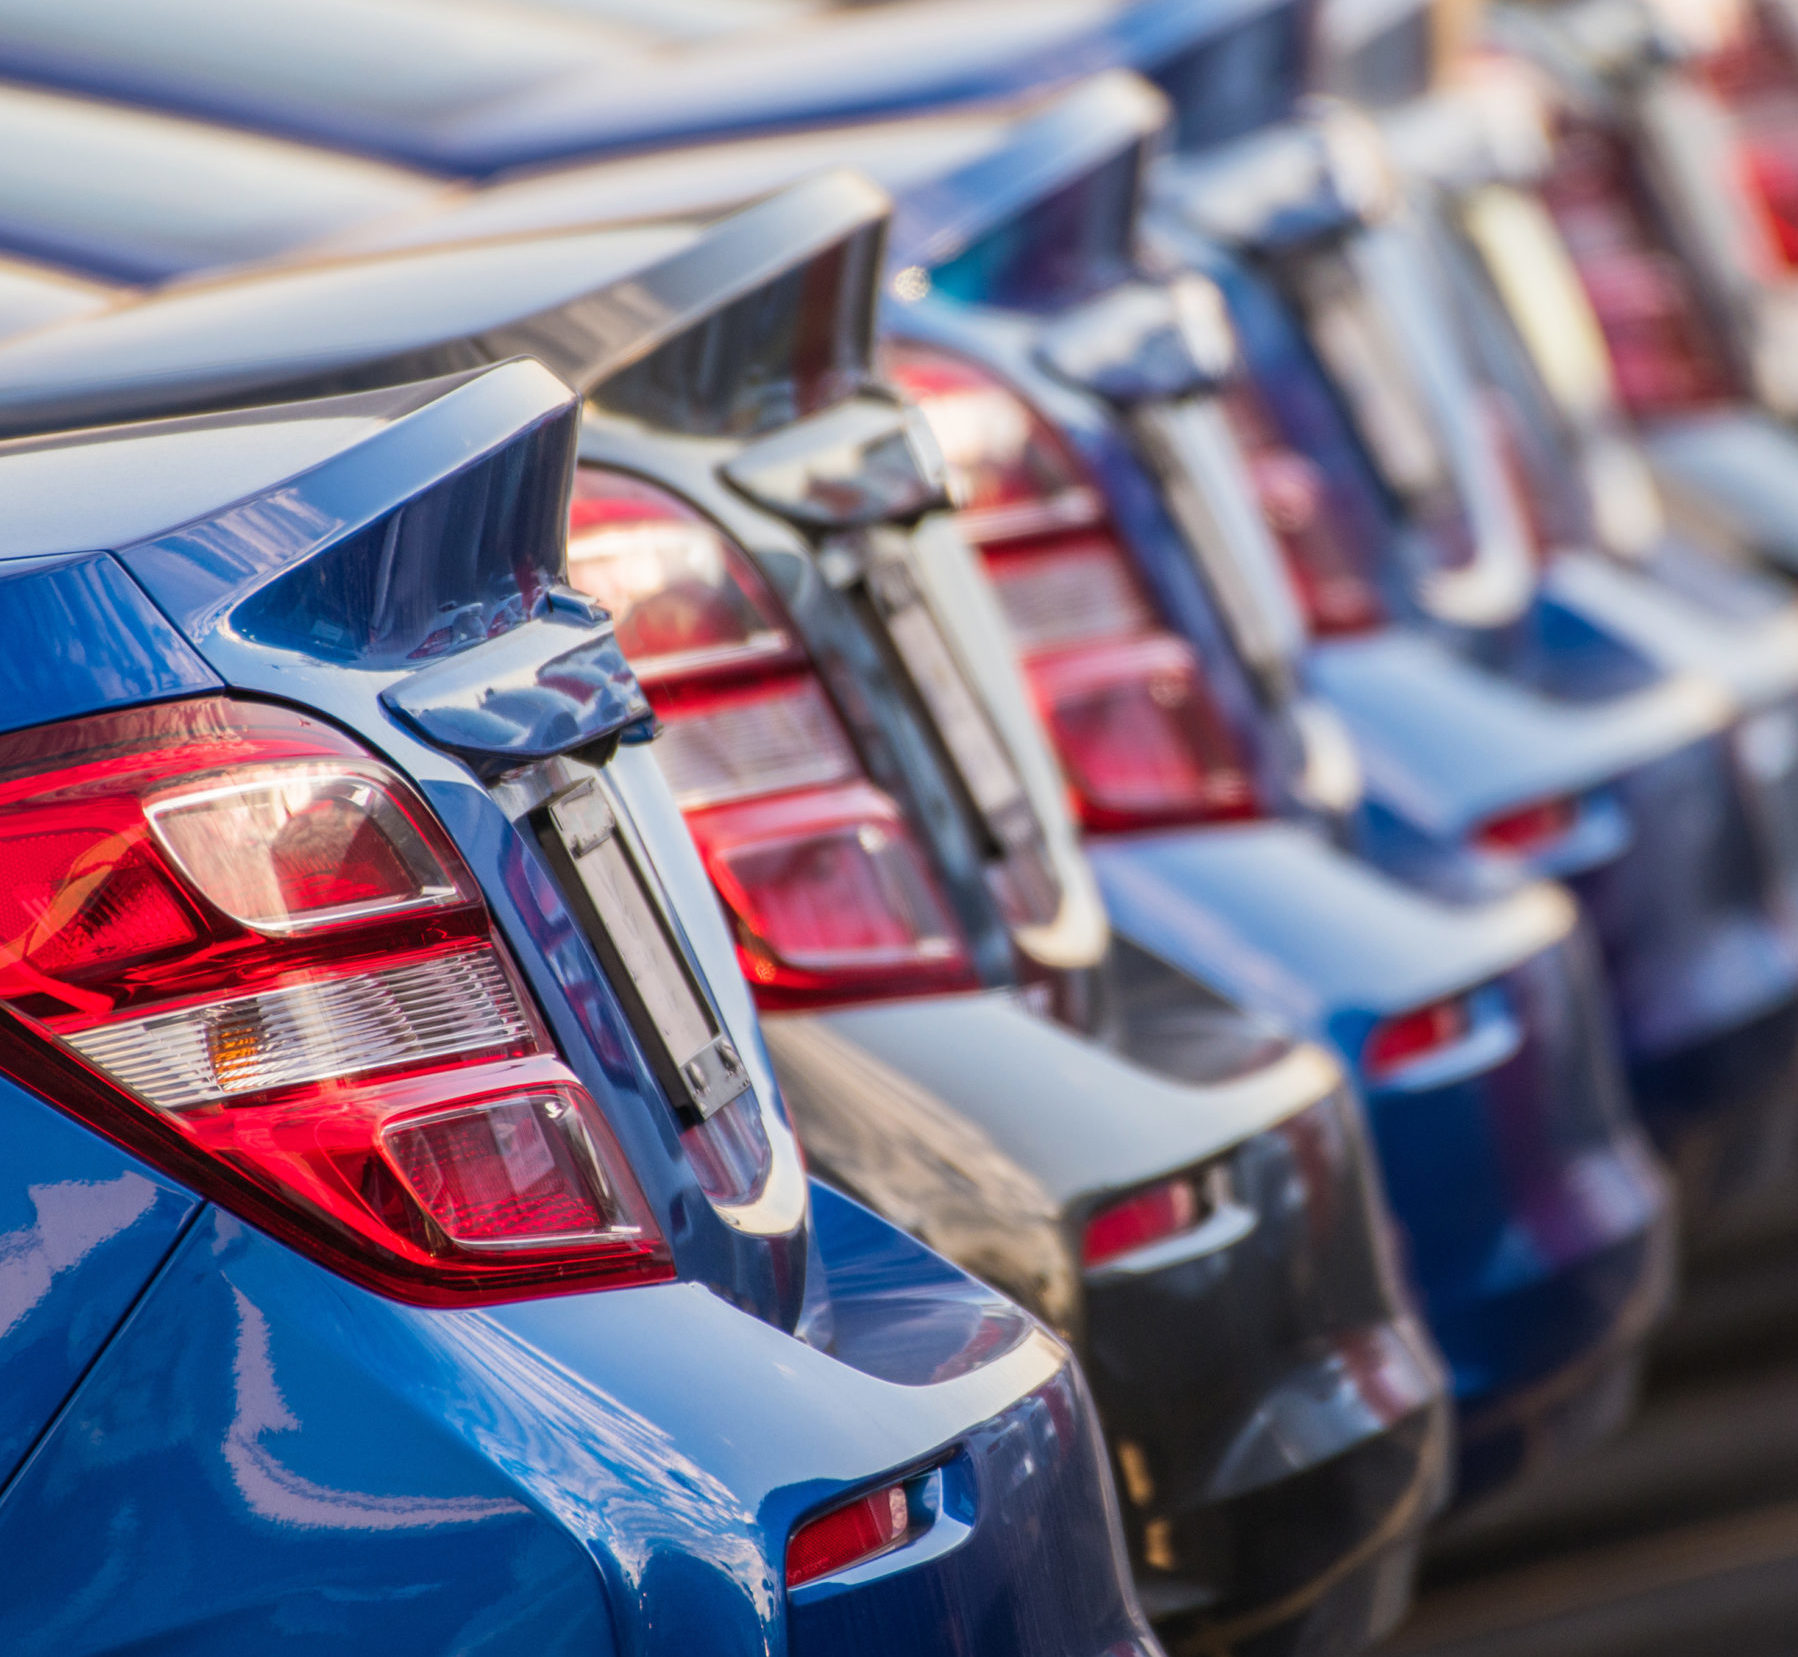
point(912, 828)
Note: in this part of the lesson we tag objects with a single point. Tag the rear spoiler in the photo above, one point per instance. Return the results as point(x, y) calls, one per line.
point(413, 536)
point(590, 305)
point(995, 166)
point(1102, 134)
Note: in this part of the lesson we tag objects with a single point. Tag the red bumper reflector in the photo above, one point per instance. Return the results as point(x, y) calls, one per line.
point(868, 1526)
point(1402, 1040)
point(1145, 1217)
point(1528, 830)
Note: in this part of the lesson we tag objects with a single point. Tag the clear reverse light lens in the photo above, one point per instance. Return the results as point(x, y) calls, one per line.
point(286, 848)
point(458, 1004)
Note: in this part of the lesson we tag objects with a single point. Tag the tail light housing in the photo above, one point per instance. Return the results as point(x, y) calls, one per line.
point(1664, 356)
point(1756, 76)
point(831, 896)
point(241, 946)
point(1330, 565)
point(1140, 737)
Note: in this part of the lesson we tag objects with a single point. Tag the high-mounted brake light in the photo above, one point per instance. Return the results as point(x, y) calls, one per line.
point(1139, 735)
point(831, 896)
point(288, 992)
point(1330, 564)
point(849, 1535)
point(1396, 1043)
point(1663, 355)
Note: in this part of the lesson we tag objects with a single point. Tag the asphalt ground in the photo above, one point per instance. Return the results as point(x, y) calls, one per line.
point(1679, 1537)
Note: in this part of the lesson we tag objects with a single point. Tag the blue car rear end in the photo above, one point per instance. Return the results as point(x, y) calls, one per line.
point(312, 1411)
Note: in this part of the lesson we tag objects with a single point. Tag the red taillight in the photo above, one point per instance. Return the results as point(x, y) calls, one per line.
point(1330, 572)
point(831, 896)
point(848, 1535)
point(1771, 166)
point(1149, 1216)
point(1140, 738)
point(1756, 77)
point(1398, 1042)
point(1530, 829)
point(291, 995)
point(1663, 355)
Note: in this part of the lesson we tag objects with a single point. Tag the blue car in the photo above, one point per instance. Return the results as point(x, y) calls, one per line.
point(1548, 720)
point(369, 1286)
point(1448, 1023)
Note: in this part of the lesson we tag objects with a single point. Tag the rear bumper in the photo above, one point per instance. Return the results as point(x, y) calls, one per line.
point(1724, 1112)
point(1535, 1216)
point(1379, 1493)
point(1277, 1416)
point(1704, 972)
point(1702, 963)
point(1582, 1406)
point(608, 1471)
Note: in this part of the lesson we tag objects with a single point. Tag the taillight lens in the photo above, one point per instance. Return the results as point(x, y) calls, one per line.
point(829, 892)
point(1756, 75)
point(291, 995)
point(831, 896)
point(1663, 355)
point(1771, 165)
point(1396, 1043)
point(849, 1535)
point(1140, 737)
point(1330, 565)
point(1530, 829)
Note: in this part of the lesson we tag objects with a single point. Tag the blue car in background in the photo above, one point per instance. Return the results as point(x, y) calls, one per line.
point(1551, 718)
point(1617, 728)
point(383, 1296)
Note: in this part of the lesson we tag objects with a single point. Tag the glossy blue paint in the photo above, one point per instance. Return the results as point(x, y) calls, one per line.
point(474, 95)
point(284, 1459)
point(289, 1460)
point(540, 690)
point(117, 646)
point(83, 1229)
